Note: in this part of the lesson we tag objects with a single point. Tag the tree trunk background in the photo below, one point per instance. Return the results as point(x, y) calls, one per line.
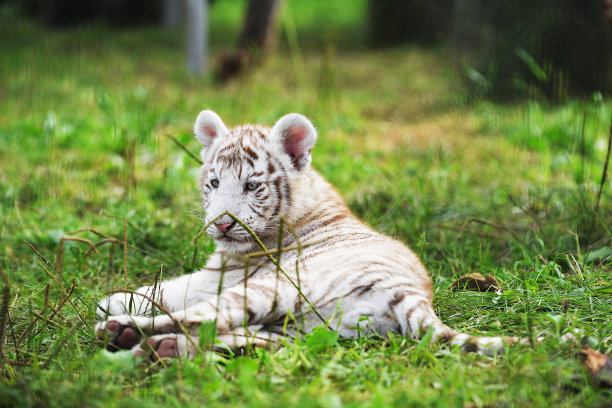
point(400, 21)
point(69, 13)
point(259, 25)
point(255, 40)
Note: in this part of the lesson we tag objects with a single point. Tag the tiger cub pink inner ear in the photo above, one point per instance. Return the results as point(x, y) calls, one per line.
point(294, 141)
point(297, 136)
point(208, 126)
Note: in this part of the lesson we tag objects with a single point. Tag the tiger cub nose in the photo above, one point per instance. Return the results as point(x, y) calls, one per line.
point(225, 226)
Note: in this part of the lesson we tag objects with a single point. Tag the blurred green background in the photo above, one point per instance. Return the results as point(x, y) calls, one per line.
point(476, 132)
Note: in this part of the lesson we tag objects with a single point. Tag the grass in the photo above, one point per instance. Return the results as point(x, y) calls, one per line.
point(471, 187)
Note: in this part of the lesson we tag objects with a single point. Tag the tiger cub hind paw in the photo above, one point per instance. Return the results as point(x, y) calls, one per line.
point(118, 334)
point(165, 347)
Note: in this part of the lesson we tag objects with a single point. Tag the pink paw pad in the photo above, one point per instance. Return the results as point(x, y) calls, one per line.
point(126, 336)
point(127, 339)
point(166, 348)
point(113, 326)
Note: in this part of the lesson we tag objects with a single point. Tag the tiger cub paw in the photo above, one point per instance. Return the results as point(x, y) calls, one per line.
point(165, 347)
point(119, 333)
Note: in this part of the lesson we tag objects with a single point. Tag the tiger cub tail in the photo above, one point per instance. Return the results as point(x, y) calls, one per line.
point(418, 319)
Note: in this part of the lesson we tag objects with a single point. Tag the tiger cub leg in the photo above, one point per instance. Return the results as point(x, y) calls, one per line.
point(173, 345)
point(264, 302)
point(174, 295)
point(240, 338)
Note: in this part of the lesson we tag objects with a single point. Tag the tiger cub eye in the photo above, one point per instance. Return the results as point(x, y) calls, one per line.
point(251, 186)
point(215, 182)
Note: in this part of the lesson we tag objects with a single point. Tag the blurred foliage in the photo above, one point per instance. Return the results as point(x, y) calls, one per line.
point(470, 185)
point(550, 49)
point(421, 21)
point(69, 13)
point(536, 48)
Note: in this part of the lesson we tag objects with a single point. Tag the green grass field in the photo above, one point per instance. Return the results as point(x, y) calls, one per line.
point(510, 190)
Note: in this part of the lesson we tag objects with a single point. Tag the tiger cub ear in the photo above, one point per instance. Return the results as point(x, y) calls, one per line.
point(297, 136)
point(208, 126)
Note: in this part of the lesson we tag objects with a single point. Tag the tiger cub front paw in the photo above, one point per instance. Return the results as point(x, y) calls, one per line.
point(112, 305)
point(124, 303)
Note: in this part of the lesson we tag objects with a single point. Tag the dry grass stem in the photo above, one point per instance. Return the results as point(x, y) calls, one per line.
point(125, 257)
point(274, 261)
point(604, 172)
point(184, 148)
point(39, 255)
point(4, 311)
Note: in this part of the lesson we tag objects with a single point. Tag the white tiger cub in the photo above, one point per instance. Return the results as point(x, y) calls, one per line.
point(344, 270)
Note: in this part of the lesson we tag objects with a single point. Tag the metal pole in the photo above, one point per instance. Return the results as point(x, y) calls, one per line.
point(173, 13)
point(197, 35)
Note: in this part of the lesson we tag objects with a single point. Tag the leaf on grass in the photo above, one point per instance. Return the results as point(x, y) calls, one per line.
point(600, 255)
point(422, 354)
point(426, 339)
point(106, 361)
point(208, 333)
point(598, 364)
point(477, 282)
point(55, 235)
point(321, 339)
point(246, 373)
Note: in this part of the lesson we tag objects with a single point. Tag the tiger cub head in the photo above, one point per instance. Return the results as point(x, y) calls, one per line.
point(248, 171)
